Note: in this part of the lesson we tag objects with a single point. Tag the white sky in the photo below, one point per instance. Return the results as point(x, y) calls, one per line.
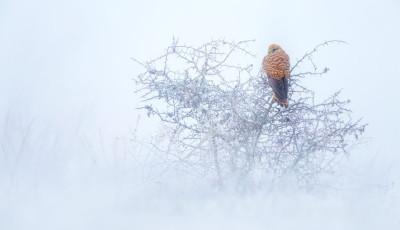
point(65, 64)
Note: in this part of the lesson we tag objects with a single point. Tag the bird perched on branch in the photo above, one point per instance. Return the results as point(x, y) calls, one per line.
point(277, 67)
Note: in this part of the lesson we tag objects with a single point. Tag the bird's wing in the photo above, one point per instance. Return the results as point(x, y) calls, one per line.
point(279, 88)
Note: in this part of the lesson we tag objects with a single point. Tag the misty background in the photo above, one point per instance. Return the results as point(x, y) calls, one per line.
point(67, 113)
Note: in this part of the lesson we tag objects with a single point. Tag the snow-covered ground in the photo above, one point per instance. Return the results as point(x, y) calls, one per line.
point(67, 114)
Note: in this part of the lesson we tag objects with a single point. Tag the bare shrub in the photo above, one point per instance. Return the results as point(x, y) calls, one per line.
point(220, 122)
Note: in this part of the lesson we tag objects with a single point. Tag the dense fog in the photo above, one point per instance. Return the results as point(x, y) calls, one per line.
point(68, 114)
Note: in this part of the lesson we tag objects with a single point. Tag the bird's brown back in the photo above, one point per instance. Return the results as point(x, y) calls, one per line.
point(277, 65)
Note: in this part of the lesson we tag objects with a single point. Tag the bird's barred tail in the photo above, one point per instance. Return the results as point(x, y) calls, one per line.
point(282, 102)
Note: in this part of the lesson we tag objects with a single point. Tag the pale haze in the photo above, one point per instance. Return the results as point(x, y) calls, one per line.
point(68, 113)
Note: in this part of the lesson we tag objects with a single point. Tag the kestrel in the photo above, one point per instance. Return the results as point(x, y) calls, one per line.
point(277, 67)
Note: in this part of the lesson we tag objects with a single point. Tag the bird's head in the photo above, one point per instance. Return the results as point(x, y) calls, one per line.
point(273, 47)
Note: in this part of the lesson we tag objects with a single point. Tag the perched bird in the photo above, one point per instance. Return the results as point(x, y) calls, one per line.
point(277, 67)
